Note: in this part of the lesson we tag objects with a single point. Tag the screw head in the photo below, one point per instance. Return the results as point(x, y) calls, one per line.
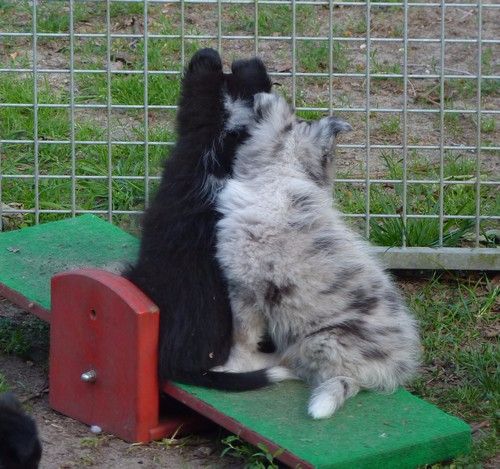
point(89, 376)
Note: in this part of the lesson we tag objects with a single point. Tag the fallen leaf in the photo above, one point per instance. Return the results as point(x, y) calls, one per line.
point(477, 426)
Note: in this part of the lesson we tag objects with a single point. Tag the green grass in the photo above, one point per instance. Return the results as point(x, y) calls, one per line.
point(53, 15)
point(383, 67)
point(91, 160)
point(4, 386)
point(391, 126)
point(488, 124)
point(459, 199)
point(467, 88)
point(22, 337)
point(313, 56)
point(461, 358)
point(453, 123)
point(275, 20)
point(241, 18)
point(254, 457)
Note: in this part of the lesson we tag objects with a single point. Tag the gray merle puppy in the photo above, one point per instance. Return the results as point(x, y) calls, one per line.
point(295, 268)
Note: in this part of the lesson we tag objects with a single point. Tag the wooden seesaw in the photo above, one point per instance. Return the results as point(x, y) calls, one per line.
point(103, 358)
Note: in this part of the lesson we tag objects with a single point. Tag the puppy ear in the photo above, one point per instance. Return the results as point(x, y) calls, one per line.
point(263, 104)
point(272, 108)
point(205, 61)
point(248, 78)
point(325, 130)
point(335, 125)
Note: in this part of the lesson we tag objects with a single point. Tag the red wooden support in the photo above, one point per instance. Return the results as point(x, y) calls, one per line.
point(103, 356)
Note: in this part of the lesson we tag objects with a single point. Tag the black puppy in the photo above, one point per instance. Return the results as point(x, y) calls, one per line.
point(19, 444)
point(176, 266)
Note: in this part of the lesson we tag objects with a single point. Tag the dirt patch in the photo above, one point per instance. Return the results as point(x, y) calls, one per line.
point(70, 444)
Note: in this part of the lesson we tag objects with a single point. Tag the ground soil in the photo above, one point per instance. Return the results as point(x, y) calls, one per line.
point(70, 444)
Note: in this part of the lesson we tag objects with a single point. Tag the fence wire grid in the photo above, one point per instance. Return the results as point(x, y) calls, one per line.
point(88, 94)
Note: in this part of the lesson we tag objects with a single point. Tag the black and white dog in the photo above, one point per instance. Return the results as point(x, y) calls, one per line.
point(176, 267)
point(19, 444)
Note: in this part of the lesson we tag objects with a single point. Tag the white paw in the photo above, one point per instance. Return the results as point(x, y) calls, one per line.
point(322, 406)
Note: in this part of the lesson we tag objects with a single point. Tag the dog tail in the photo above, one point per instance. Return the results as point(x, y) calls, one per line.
point(227, 381)
point(330, 395)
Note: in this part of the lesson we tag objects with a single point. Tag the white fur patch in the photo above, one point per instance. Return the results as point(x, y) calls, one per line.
point(280, 373)
point(323, 406)
point(329, 397)
point(240, 114)
point(211, 187)
point(241, 360)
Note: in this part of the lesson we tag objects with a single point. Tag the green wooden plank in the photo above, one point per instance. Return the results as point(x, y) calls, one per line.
point(371, 430)
point(31, 256)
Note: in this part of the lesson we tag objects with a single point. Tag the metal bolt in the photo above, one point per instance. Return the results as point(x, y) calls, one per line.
point(89, 376)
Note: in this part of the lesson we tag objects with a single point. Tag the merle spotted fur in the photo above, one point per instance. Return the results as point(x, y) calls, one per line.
point(296, 268)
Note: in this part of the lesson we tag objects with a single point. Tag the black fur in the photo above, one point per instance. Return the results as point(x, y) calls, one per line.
point(176, 265)
point(19, 444)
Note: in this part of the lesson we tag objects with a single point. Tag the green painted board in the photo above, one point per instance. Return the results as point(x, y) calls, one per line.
point(31, 256)
point(371, 430)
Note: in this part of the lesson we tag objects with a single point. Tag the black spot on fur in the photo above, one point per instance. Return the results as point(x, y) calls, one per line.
point(363, 304)
point(251, 235)
point(350, 272)
point(345, 386)
point(374, 354)
point(287, 127)
point(342, 278)
point(301, 225)
point(320, 178)
point(258, 114)
point(393, 300)
point(266, 344)
point(301, 201)
point(324, 163)
point(323, 243)
point(352, 327)
point(274, 295)
point(402, 367)
point(278, 148)
point(386, 331)
point(333, 288)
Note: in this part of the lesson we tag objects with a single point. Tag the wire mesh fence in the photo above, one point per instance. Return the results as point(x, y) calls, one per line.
point(88, 92)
